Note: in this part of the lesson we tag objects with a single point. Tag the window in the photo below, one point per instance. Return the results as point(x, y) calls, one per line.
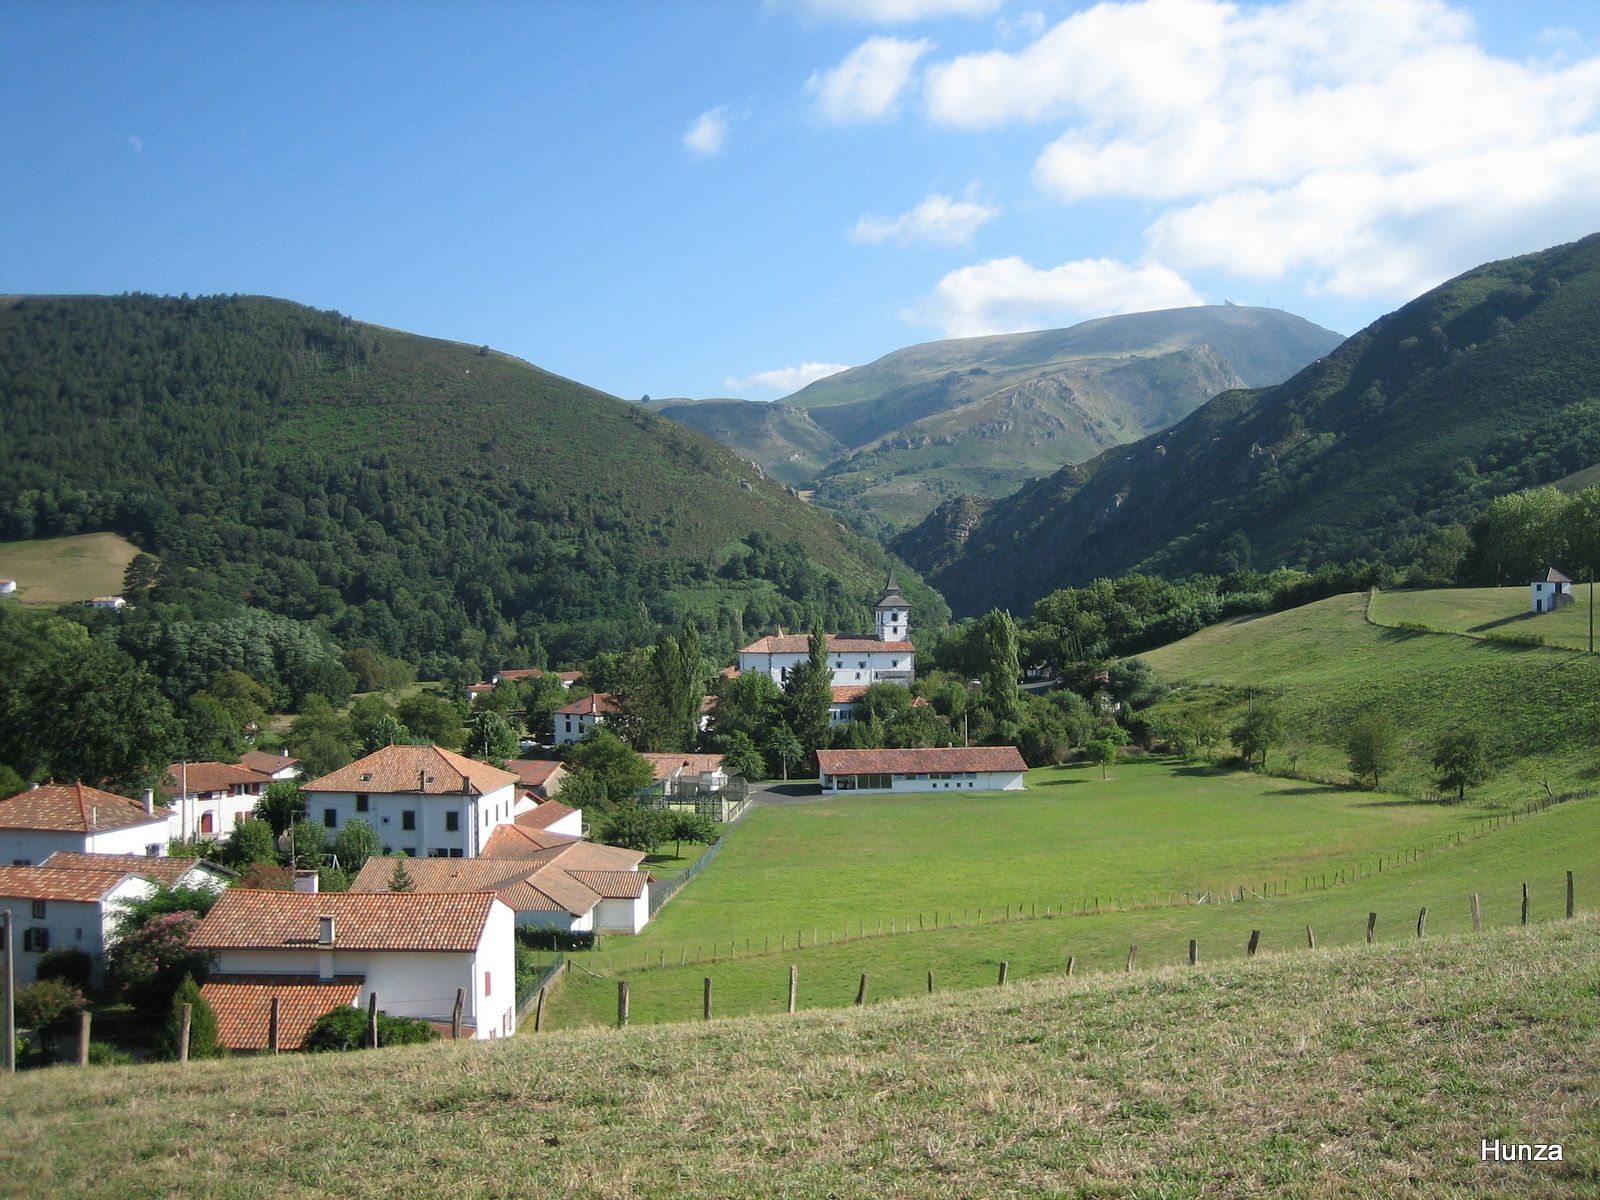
point(452, 822)
point(22, 862)
point(38, 910)
point(366, 777)
point(438, 853)
point(330, 818)
point(152, 850)
point(77, 935)
point(408, 819)
point(487, 990)
point(207, 823)
point(361, 802)
point(454, 854)
point(36, 939)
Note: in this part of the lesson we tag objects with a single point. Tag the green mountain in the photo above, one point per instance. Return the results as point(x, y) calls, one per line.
point(1487, 384)
point(988, 414)
point(426, 498)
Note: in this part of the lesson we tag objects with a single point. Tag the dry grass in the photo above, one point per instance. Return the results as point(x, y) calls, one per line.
point(66, 569)
point(1349, 1072)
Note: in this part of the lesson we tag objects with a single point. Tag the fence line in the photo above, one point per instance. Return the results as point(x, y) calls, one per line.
point(545, 977)
point(661, 893)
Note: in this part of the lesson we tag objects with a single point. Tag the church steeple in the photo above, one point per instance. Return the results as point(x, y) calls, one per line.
point(893, 613)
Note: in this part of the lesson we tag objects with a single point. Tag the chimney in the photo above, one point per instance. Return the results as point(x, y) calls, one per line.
point(307, 881)
point(150, 801)
point(284, 752)
point(324, 931)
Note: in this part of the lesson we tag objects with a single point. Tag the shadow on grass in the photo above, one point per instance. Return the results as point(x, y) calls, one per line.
point(1056, 783)
point(1313, 789)
point(1202, 770)
point(1400, 802)
point(1511, 620)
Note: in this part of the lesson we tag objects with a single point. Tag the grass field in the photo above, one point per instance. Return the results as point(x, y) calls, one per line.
point(61, 570)
point(1328, 664)
point(1339, 1073)
point(1492, 861)
point(1486, 612)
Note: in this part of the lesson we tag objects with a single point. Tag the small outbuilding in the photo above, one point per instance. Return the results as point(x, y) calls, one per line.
point(1551, 592)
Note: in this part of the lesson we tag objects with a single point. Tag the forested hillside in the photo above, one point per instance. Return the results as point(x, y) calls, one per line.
point(427, 499)
point(1485, 385)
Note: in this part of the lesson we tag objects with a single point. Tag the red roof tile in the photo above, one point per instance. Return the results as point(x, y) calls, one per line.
point(243, 1004)
point(800, 643)
point(848, 693)
point(614, 885)
point(432, 770)
point(198, 777)
point(911, 762)
point(603, 703)
point(262, 920)
point(165, 870)
point(73, 808)
point(546, 815)
point(57, 883)
point(264, 763)
point(693, 764)
point(534, 772)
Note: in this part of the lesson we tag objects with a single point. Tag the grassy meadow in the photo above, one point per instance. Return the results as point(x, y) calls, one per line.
point(62, 570)
point(1327, 663)
point(1486, 612)
point(1342, 1072)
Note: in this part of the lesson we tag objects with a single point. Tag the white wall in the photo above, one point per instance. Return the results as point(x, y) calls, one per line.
point(30, 847)
point(854, 667)
point(476, 818)
point(82, 924)
point(971, 781)
point(623, 915)
point(571, 728)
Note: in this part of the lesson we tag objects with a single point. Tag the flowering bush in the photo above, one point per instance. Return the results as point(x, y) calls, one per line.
point(150, 962)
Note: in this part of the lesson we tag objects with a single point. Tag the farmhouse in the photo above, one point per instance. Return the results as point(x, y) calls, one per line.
point(412, 950)
point(945, 768)
point(424, 801)
point(574, 720)
point(71, 816)
point(165, 871)
point(209, 798)
point(541, 777)
point(572, 886)
point(111, 602)
point(889, 656)
point(56, 908)
point(273, 766)
point(1550, 593)
point(7, 586)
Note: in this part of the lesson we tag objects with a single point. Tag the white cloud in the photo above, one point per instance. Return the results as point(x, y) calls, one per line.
point(1006, 295)
point(867, 85)
point(1373, 145)
point(890, 12)
point(784, 380)
point(936, 219)
point(707, 133)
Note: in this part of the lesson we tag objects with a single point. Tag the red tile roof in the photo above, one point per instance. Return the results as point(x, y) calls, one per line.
point(432, 770)
point(614, 885)
point(73, 808)
point(800, 643)
point(198, 777)
point(261, 920)
point(516, 673)
point(911, 762)
point(55, 883)
point(848, 693)
point(603, 703)
point(265, 763)
point(693, 764)
point(243, 1004)
point(534, 772)
point(546, 815)
point(546, 878)
point(520, 841)
point(165, 870)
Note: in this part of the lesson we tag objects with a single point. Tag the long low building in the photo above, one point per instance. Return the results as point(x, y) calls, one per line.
point(938, 769)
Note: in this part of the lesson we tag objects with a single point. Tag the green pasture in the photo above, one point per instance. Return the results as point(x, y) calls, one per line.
point(1487, 612)
point(65, 570)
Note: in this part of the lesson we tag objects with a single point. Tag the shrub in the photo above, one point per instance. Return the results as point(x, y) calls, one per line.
point(345, 1028)
point(148, 963)
point(556, 939)
point(202, 1023)
point(50, 1006)
point(68, 964)
point(103, 1054)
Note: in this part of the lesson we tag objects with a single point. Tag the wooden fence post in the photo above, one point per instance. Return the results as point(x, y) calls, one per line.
point(538, 1012)
point(1372, 924)
point(622, 1003)
point(794, 986)
point(1422, 922)
point(706, 1001)
point(1255, 941)
point(183, 1032)
point(455, 1014)
point(274, 1024)
point(83, 1038)
point(1005, 969)
point(1524, 903)
point(1133, 956)
point(1311, 938)
point(372, 1021)
point(1569, 895)
point(861, 992)
point(1194, 952)
point(1477, 915)
point(930, 983)
point(1072, 963)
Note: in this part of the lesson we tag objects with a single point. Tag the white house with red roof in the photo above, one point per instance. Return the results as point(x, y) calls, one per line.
point(164, 871)
point(53, 908)
point(209, 798)
point(275, 767)
point(1551, 591)
point(574, 720)
point(425, 801)
point(412, 950)
point(36, 823)
point(855, 661)
point(937, 769)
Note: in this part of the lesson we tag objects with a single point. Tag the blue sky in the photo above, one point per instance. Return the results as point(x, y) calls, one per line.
point(715, 199)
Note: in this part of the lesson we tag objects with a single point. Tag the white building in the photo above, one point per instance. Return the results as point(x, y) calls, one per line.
point(888, 657)
point(53, 909)
point(112, 602)
point(7, 586)
point(164, 871)
point(36, 823)
point(209, 798)
point(424, 801)
point(275, 767)
point(940, 769)
point(413, 950)
point(1550, 593)
point(575, 720)
point(564, 884)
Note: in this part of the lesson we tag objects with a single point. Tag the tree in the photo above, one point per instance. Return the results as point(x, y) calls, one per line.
point(1102, 751)
point(1133, 682)
point(433, 719)
point(1373, 746)
point(622, 770)
point(320, 738)
point(139, 578)
point(1260, 730)
point(749, 704)
point(742, 758)
point(1460, 761)
point(808, 696)
point(202, 1023)
point(49, 1007)
point(636, 827)
point(165, 900)
point(251, 841)
point(68, 964)
point(281, 805)
point(355, 842)
point(489, 735)
point(210, 733)
point(684, 825)
point(1207, 732)
point(400, 879)
point(148, 963)
point(245, 700)
point(1000, 695)
point(307, 842)
point(884, 703)
point(783, 746)
point(586, 790)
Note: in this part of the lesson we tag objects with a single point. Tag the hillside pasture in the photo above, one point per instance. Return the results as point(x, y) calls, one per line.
point(65, 570)
point(1487, 612)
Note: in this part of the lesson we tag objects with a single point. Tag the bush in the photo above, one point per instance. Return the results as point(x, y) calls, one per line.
point(345, 1028)
point(148, 963)
point(68, 964)
point(555, 939)
point(103, 1054)
point(50, 1006)
point(202, 1023)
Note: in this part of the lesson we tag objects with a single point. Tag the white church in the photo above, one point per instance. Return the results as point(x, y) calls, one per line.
point(887, 658)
